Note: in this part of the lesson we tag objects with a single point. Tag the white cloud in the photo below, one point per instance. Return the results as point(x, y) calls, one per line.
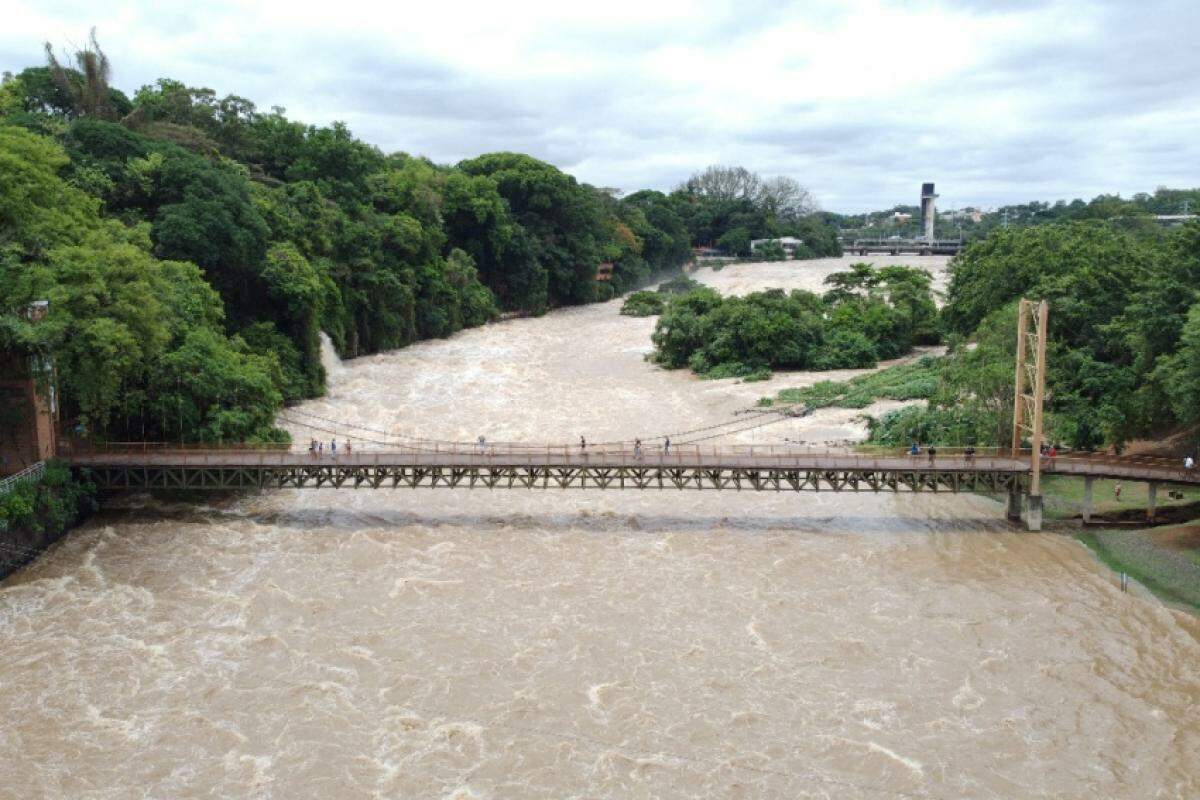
point(859, 101)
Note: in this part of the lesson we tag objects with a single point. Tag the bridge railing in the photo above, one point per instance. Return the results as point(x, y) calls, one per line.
point(434, 452)
point(504, 448)
point(33, 472)
point(438, 454)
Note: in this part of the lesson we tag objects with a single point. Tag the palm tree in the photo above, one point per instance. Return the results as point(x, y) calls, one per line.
point(86, 85)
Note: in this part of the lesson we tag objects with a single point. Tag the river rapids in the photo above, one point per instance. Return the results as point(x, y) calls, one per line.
point(584, 644)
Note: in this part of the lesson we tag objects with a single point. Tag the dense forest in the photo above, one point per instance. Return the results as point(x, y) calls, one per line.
point(1124, 350)
point(193, 247)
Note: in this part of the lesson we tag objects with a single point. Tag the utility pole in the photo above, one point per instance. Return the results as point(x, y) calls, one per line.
point(1029, 398)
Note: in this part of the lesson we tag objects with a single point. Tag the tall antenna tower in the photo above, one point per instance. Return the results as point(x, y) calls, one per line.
point(928, 210)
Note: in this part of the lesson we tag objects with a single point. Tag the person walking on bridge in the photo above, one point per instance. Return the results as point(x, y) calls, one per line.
point(667, 446)
point(582, 445)
point(637, 449)
point(915, 450)
point(333, 447)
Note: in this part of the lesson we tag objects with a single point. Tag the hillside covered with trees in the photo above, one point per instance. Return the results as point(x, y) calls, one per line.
point(193, 247)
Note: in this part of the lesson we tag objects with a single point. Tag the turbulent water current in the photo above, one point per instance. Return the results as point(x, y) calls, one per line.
point(583, 644)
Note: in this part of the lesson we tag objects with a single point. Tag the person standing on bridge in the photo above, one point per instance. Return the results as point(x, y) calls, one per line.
point(932, 454)
point(1189, 462)
point(347, 447)
point(333, 447)
point(637, 449)
point(582, 445)
point(667, 446)
point(915, 450)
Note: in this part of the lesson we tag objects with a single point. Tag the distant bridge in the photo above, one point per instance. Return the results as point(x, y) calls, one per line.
point(687, 467)
point(921, 247)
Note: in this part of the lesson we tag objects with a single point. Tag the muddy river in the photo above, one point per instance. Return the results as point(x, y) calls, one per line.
point(584, 644)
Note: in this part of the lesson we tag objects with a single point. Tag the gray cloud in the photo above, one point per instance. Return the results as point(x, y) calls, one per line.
point(860, 102)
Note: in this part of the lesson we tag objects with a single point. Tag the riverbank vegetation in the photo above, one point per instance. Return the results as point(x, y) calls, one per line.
point(1169, 569)
point(648, 303)
point(915, 381)
point(194, 247)
point(869, 314)
point(1124, 348)
point(1124, 341)
point(36, 513)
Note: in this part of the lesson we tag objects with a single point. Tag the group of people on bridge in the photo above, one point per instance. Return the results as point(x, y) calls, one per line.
point(915, 450)
point(317, 448)
point(637, 447)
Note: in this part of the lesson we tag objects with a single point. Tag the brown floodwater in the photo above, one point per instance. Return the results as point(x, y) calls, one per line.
point(579, 644)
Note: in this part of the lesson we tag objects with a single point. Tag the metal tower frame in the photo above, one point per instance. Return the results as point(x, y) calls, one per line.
point(1030, 393)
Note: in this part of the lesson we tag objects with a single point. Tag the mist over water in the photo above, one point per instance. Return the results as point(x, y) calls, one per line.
point(513, 644)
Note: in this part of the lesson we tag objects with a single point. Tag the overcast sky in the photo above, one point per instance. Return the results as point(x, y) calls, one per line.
point(859, 101)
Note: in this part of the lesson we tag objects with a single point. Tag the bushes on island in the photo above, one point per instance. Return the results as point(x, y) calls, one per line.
point(868, 315)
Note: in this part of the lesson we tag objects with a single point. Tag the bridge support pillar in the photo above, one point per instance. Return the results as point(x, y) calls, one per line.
point(1151, 500)
point(1012, 509)
point(1033, 512)
point(1086, 511)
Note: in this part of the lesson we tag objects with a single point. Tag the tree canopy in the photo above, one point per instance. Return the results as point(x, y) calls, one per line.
point(181, 227)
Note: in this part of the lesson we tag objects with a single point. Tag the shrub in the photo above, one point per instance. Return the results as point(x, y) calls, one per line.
point(643, 304)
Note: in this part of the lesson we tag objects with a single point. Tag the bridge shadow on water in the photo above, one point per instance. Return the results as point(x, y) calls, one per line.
point(334, 521)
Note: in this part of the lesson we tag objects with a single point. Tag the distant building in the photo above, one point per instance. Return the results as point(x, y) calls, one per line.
point(1171, 220)
point(901, 217)
point(790, 243)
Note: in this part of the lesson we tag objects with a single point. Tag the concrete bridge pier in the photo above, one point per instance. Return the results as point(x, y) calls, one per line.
point(1032, 508)
point(1012, 509)
point(1033, 512)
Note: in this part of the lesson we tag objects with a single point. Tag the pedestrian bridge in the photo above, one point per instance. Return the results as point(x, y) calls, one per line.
point(148, 466)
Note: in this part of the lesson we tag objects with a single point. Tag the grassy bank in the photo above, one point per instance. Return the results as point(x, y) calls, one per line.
point(1063, 496)
point(1164, 560)
point(913, 381)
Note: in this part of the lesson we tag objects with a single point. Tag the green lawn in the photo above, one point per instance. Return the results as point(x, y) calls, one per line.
point(1063, 496)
